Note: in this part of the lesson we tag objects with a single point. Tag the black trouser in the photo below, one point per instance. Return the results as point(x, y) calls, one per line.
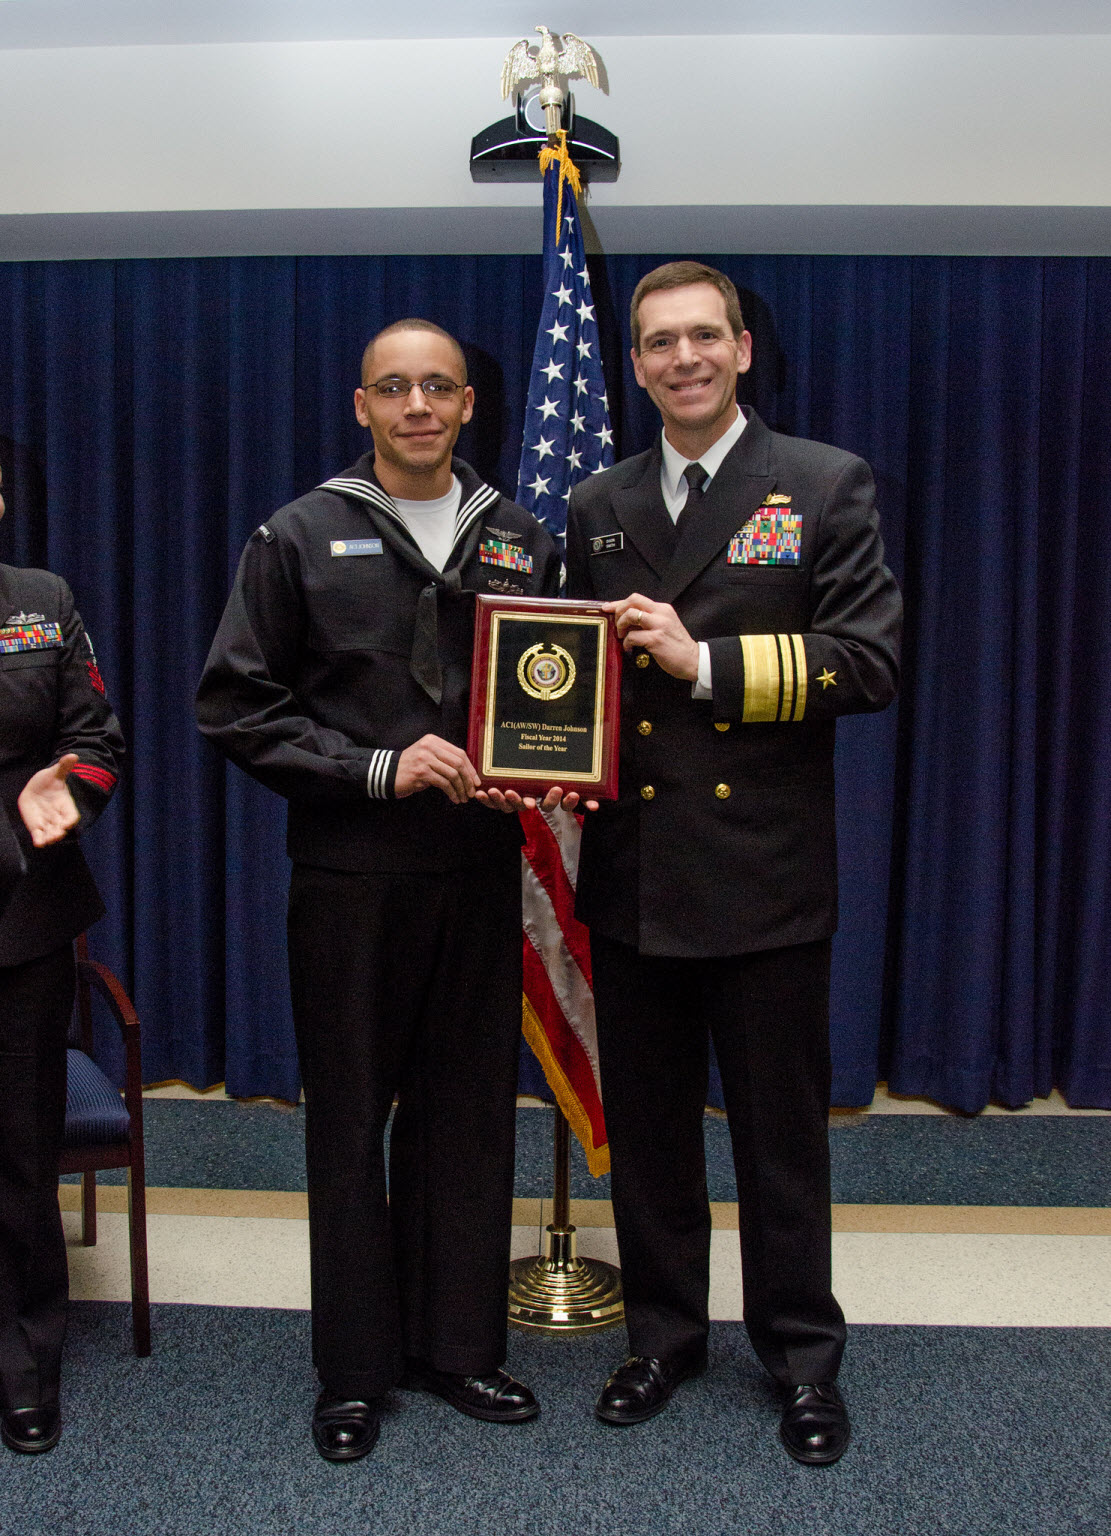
point(36, 1001)
point(407, 984)
point(768, 1014)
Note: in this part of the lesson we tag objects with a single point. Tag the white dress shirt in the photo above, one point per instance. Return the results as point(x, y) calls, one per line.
point(675, 489)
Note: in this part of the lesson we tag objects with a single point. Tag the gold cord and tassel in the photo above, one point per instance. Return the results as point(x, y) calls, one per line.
point(559, 154)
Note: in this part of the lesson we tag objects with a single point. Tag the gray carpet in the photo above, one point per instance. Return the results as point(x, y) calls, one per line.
point(885, 1159)
point(959, 1432)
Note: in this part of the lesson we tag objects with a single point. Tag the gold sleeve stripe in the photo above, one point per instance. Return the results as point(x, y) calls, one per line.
point(761, 659)
point(800, 673)
point(787, 676)
point(775, 678)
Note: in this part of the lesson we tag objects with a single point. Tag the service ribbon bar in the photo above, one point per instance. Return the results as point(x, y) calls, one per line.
point(771, 536)
point(29, 637)
point(509, 556)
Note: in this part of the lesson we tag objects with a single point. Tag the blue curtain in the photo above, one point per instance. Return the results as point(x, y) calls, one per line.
point(153, 412)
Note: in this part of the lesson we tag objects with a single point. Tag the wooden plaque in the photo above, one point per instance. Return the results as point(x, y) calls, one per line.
point(545, 696)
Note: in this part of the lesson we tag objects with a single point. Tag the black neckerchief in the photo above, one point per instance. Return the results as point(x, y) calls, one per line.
point(361, 484)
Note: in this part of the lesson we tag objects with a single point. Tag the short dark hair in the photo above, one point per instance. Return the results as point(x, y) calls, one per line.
point(412, 324)
point(683, 274)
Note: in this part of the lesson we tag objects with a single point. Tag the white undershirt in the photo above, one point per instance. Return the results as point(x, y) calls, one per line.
point(432, 523)
point(675, 490)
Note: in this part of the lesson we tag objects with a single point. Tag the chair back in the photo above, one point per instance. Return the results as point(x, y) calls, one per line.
point(103, 1131)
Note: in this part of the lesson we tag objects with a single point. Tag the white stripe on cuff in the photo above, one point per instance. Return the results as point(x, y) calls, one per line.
point(378, 773)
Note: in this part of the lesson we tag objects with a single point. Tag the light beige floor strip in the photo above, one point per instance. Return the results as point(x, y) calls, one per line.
point(1020, 1220)
point(195, 1202)
point(987, 1220)
point(931, 1278)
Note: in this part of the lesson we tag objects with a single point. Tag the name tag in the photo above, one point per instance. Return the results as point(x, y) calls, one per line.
point(356, 546)
point(29, 637)
point(607, 543)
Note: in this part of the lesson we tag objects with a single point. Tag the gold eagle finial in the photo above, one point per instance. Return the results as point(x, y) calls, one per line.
point(546, 62)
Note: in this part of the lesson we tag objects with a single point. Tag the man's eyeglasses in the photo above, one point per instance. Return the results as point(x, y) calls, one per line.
point(399, 389)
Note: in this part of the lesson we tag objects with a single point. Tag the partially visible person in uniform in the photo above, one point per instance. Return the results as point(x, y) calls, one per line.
point(746, 572)
point(340, 678)
point(13, 866)
point(60, 753)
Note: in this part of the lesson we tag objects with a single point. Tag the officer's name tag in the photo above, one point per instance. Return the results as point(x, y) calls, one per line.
point(356, 546)
point(607, 543)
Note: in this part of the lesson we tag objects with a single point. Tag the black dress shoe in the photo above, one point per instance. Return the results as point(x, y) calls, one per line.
point(815, 1424)
point(497, 1398)
point(642, 1387)
point(31, 1430)
point(344, 1428)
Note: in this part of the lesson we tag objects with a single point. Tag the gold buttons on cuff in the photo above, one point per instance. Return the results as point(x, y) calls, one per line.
point(722, 791)
point(648, 793)
point(643, 659)
point(645, 727)
point(721, 725)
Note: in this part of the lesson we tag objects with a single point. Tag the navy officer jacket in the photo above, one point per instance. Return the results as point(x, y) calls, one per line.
point(723, 841)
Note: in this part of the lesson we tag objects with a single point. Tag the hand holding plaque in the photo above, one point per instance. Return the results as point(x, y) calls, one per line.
point(545, 696)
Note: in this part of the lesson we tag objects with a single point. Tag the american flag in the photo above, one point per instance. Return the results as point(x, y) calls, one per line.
point(567, 421)
point(567, 437)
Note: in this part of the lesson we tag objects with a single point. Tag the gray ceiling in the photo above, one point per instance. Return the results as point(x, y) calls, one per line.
point(89, 23)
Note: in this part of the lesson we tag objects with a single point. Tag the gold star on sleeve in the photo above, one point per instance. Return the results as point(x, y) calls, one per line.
point(827, 679)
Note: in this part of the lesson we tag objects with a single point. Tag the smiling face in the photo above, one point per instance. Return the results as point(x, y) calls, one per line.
point(413, 435)
point(688, 362)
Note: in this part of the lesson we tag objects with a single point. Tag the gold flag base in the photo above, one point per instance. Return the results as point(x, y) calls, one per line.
point(558, 1292)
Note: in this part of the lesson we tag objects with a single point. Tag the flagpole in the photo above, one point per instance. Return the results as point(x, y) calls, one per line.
point(557, 1291)
point(567, 436)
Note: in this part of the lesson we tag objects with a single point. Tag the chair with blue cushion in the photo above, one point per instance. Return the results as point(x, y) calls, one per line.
point(105, 1131)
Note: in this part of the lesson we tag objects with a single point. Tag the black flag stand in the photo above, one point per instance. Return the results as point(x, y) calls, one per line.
point(557, 1292)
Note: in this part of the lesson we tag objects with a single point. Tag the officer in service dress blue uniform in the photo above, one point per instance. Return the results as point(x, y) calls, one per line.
point(746, 571)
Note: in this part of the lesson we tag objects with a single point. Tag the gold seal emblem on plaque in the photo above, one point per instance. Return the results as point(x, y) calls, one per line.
point(545, 673)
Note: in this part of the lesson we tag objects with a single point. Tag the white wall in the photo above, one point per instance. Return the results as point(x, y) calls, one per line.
point(741, 133)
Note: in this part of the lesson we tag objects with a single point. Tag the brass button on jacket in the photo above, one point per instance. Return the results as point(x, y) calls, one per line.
point(643, 659)
point(721, 725)
point(648, 793)
point(722, 791)
point(645, 727)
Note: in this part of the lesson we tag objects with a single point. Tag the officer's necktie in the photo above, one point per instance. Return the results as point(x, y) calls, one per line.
point(696, 478)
